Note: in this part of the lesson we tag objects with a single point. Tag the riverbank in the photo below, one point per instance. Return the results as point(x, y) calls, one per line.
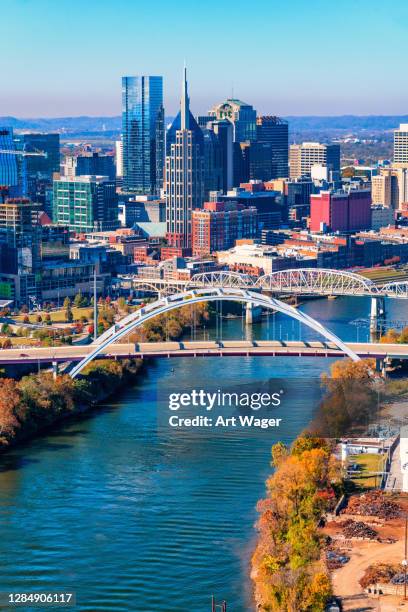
point(38, 403)
point(33, 405)
point(288, 572)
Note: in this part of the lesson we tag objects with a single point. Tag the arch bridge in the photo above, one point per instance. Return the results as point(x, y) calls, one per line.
point(194, 296)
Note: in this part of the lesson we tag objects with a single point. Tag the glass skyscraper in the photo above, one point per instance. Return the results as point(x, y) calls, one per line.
point(9, 172)
point(143, 134)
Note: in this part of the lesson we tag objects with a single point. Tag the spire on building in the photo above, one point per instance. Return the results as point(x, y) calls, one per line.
point(184, 103)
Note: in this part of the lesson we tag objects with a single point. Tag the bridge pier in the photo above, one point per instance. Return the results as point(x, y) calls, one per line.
point(252, 314)
point(54, 369)
point(377, 315)
point(381, 366)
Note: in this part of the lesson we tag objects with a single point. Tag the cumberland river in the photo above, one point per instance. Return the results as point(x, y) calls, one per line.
point(135, 517)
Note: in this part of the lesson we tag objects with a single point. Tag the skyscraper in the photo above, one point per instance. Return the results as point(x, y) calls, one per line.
point(96, 164)
point(241, 115)
point(304, 156)
point(184, 173)
point(401, 146)
point(275, 131)
point(142, 133)
point(42, 165)
point(8, 161)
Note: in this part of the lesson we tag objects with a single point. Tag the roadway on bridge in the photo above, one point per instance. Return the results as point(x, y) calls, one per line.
point(225, 348)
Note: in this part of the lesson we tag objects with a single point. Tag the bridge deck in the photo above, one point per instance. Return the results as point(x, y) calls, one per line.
point(201, 348)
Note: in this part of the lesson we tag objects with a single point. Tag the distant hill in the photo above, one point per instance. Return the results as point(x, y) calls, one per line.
point(347, 122)
point(62, 124)
point(111, 124)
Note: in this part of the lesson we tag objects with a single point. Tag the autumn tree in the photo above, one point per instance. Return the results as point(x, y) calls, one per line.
point(9, 401)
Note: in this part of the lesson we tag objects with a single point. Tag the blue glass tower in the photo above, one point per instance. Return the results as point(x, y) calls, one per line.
point(143, 134)
point(9, 171)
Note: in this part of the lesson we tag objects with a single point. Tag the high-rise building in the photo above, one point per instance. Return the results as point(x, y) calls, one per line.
point(85, 203)
point(340, 211)
point(275, 131)
point(224, 132)
point(401, 145)
point(381, 189)
point(95, 164)
point(241, 115)
point(184, 173)
point(119, 158)
point(390, 187)
point(213, 170)
point(19, 249)
point(41, 166)
point(8, 161)
point(219, 224)
point(303, 156)
point(142, 134)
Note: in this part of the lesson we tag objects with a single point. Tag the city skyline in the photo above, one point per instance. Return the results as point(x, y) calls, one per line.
point(288, 62)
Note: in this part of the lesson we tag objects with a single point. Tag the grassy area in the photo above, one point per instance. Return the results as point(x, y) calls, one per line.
point(58, 316)
point(368, 464)
point(384, 274)
point(20, 341)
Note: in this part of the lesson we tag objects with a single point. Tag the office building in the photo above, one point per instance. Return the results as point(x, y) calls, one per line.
point(218, 225)
point(242, 116)
point(390, 187)
point(261, 162)
point(41, 166)
point(275, 131)
point(303, 156)
point(95, 164)
point(68, 167)
point(213, 170)
point(142, 134)
point(340, 211)
point(119, 158)
point(401, 145)
point(381, 189)
point(184, 173)
point(8, 161)
point(19, 248)
point(224, 132)
point(85, 203)
point(381, 216)
point(271, 211)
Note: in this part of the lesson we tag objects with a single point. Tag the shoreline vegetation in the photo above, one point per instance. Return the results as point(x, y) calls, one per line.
point(36, 403)
point(288, 569)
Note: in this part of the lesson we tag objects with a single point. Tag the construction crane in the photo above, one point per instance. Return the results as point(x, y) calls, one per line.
point(24, 153)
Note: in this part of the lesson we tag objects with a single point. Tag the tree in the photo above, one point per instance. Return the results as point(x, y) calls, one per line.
point(279, 453)
point(9, 400)
point(68, 310)
point(6, 329)
point(78, 300)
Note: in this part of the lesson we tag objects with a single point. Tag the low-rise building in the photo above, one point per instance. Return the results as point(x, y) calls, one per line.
point(218, 225)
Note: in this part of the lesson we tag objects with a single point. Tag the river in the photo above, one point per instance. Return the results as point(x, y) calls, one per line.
point(134, 517)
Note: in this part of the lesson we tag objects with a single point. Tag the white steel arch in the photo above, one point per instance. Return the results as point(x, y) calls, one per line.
point(320, 281)
point(396, 289)
point(221, 278)
point(137, 318)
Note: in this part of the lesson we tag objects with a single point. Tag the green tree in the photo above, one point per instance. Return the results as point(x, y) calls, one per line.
point(68, 310)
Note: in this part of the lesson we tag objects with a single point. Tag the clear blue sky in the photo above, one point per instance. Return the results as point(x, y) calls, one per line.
point(66, 57)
